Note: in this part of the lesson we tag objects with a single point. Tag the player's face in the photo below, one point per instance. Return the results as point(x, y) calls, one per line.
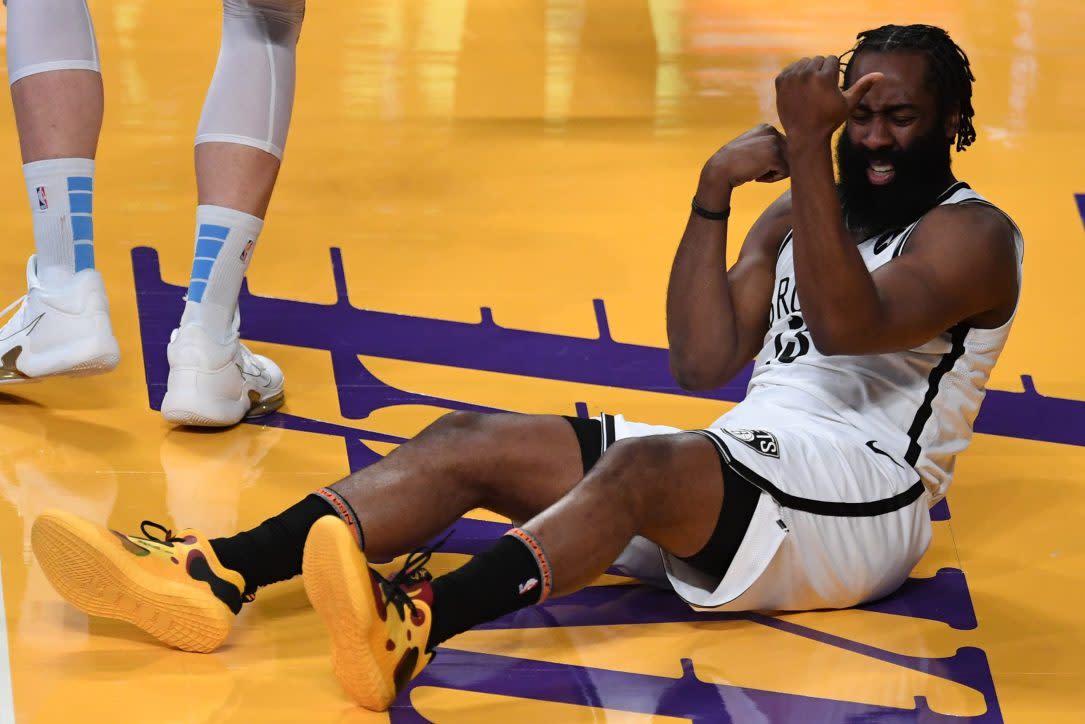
point(893, 156)
point(898, 111)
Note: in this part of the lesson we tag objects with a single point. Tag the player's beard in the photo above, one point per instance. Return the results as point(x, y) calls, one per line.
point(921, 173)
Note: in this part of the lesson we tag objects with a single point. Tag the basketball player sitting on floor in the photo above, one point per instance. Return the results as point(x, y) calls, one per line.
point(876, 309)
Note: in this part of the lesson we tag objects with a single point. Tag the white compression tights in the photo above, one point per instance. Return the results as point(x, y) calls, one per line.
point(252, 91)
point(46, 35)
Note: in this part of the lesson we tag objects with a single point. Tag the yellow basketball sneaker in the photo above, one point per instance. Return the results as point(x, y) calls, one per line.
point(378, 627)
point(173, 586)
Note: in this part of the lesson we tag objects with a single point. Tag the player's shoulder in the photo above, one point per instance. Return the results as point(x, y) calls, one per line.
point(974, 210)
point(780, 209)
point(973, 224)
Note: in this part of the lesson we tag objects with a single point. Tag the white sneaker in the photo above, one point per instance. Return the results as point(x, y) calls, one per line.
point(216, 384)
point(63, 330)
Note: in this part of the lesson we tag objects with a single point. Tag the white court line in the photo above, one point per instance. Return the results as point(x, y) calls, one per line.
point(7, 703)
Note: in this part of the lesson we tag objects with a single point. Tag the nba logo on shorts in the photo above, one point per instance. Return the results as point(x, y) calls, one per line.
point(43, 199)
point(247, 250)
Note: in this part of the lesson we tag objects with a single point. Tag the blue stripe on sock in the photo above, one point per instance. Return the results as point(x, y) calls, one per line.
point(82, 228)
point(84, 257)
point(209, 241)
point(213, 231)
point(208, 248)
point(195, 290)
point(81, 202)
point(201, 268)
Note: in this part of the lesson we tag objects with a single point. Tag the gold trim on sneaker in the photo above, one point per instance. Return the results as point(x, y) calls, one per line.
point(259, 408)
point(8, 370)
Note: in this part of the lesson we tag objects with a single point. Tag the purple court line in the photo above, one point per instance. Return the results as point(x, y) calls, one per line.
point(687, 697)
point(343, 329)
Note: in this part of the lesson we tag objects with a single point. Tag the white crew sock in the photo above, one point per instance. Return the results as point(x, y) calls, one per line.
point(61, 193)
point(225, 241)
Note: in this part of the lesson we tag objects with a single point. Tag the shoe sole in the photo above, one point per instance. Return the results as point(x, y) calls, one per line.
point(337, 582)
point(87, 368)
point(104, 582)
point(257, 408)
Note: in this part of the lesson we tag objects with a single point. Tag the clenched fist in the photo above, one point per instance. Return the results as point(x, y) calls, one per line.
point(759, 154)
point(809, 101)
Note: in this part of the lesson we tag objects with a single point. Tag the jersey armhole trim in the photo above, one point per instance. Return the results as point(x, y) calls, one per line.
point(783, 244)
point(904, 239)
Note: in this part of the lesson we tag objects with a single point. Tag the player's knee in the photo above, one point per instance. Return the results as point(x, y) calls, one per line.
point(470, 443)
point(647, 453)
point(282, 19)
point(461, 422)
point(464, 433)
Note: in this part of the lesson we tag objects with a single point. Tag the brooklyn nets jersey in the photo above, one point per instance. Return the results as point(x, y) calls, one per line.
point(918, 405)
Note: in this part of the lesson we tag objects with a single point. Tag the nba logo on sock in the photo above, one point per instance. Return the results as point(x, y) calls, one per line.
point(247, 250)
point(43, 199)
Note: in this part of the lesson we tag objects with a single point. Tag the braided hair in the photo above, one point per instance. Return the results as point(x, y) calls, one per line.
point(948, 69)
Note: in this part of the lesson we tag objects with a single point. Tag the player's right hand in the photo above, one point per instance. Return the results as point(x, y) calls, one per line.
point(759, 154)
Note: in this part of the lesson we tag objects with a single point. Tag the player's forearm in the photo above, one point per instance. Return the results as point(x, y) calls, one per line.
point(839, 299)
point(701, 327)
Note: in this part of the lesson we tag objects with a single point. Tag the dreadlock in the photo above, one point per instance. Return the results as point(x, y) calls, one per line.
point(947, 66)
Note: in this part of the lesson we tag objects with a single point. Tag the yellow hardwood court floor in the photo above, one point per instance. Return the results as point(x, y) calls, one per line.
point(478, 208)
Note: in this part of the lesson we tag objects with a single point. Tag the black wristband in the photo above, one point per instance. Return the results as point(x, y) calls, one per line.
point(710, 215)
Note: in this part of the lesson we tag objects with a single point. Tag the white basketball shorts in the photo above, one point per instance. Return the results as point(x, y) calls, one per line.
point(838, 521)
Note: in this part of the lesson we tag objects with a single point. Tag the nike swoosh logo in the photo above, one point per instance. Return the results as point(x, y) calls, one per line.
point(870, 444)
point(28, 328)
point(260, 377)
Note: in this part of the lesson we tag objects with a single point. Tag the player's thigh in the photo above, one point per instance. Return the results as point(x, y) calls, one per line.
point(671, 483)
point(521, 463)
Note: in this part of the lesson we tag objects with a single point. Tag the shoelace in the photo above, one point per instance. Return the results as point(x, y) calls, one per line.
point(13, 305)
point(167, 534)
point(412, 573)
point(168, 537)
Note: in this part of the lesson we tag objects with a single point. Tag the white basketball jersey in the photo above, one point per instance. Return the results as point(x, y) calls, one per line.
point(918, 405)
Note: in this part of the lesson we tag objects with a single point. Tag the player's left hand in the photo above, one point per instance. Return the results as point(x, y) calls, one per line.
point(809, 100)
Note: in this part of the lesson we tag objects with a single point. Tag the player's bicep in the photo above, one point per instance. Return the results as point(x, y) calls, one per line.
point(958, 268)
point(752, 277)
point(751, 280)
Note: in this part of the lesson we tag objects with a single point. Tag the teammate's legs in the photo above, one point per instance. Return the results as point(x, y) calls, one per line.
point(56, 91)
point(58, 114)
point(214, 380)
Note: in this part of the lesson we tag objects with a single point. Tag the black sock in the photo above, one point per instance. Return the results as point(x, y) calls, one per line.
point(272, 551)
point(505, 578)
